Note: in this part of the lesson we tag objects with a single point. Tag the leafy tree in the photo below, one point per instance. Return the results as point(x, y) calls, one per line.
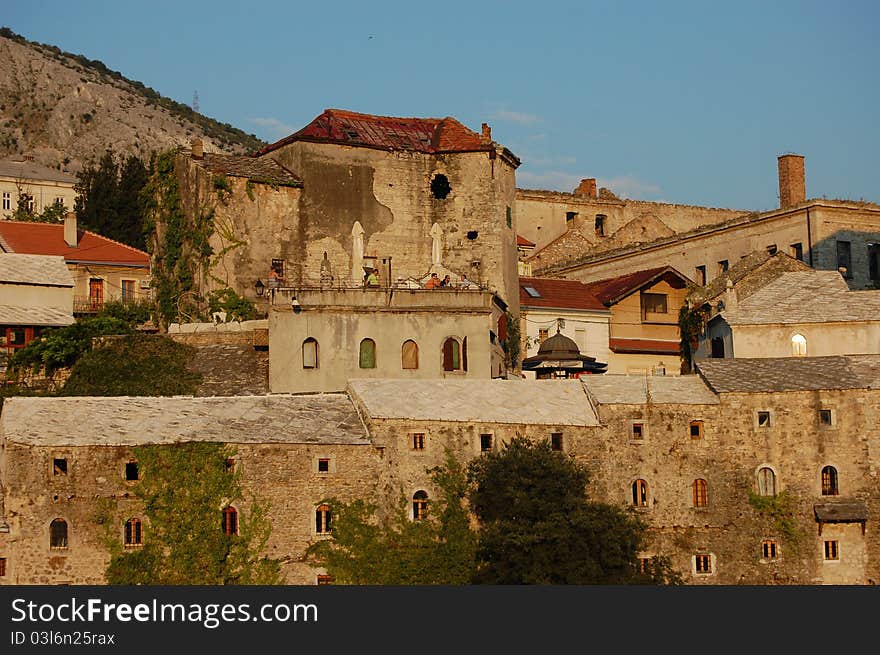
point(134, 365)
point(236, 307)
point(538, 525)
point(109, 198)
point(369, 548)
point(183, 488)
point(54, 213)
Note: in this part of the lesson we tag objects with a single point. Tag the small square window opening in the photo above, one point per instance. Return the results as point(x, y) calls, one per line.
point(763, 419)
point(323, 465)
point(831, 550)
point(703, 563)
point(825, 417)
point(418, 440)
point(485, 443)
point(556, 441)
point(769, 549)
point(59, 466)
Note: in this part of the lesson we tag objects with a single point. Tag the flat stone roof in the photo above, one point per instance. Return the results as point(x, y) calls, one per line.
point(128, 421)
point(610, 389)
point(40, 270)
point(791, 373)
point(46, 316)
point(531, 402)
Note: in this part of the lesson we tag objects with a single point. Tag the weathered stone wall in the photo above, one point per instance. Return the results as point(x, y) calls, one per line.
point(389, 194)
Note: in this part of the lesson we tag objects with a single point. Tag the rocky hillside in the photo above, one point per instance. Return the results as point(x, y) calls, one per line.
point(65, 110)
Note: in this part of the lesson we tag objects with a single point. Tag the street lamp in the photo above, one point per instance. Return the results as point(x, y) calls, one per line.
point(260, 287)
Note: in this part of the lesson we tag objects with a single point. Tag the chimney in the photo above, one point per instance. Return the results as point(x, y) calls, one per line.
point(487, 133)
point(70, 234)
point(730, 296)
point(792, 189)
point(587, 188)
point(197, 151)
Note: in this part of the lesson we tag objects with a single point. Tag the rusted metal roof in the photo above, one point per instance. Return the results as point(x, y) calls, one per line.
point(557, 294)
point(428, 135)
point(48, 239)
point(612, 290)
point(265, 170)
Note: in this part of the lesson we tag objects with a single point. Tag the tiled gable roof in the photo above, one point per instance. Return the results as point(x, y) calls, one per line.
point(428, 135)
point(805, 297)
point(48, 239)
point(770, 374)
point(560, 294)
point(261, 170)
point(612, 290)
point(41, 270)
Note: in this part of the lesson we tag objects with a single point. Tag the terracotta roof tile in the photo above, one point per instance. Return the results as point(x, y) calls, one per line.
point(612, 290)
point(522, 241)
point(561, 294)
point(48, 239)
point(428, 135)
point(265, 170)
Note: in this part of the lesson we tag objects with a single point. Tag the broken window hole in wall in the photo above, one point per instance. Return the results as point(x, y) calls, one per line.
point(440, 186)
point(472, 235)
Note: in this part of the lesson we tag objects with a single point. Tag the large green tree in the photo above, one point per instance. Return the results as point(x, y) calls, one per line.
point(109, 199)
point(538, 525)
point(371, 547)
point(186, 538)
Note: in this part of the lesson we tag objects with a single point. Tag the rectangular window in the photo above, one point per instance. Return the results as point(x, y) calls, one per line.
point(131, 471)
point(230, 465)
point(763, 419)
point(771, 249)
point(600, 225)
point(127, 290)
point(825, 417)
point(569, 216)
point(769, 549)
point(700, 275)
point(2, 567)
point(278, 267)
point(653, 303)
point(638, 431)
point(723, 265)
point(831, 550)
point(556, 440)
point(703, 563)
point(874, 263)
point(644, 565)
point(7, 200)
point(696, 429)
point(59, 466)
point(325, 579)
point(418, 440)
point(543, 333)
point(59, 200)
point(323, 465)
point(844, 257)
point(796, 250)
point(485, 442)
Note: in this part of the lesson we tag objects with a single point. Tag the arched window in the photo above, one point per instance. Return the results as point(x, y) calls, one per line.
point(409, 354)
point(310, 353)
point(640, 493)
point(322, 519)
point(829, 481)
point(701, 493)
point(420, 506)
point(58, 534)
point(368, 354)
point(133, 533)
point(451, 355)
point(230, 521)
point(766, 481)
point(799, 345)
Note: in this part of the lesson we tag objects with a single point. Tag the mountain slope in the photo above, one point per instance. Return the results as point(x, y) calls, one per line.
point(65, 110)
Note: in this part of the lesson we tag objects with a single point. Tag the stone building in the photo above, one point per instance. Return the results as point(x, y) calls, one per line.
point(826, 234)
point(102, 269)
point(37, 187)
point(755, 471)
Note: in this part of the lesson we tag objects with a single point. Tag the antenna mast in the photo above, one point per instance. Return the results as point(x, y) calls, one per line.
point(195, 105)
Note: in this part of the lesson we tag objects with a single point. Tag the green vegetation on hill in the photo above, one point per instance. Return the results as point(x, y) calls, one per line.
point(224, 133)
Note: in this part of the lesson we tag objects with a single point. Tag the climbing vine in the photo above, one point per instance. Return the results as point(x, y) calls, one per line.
point(781, 511)
point(513, 344)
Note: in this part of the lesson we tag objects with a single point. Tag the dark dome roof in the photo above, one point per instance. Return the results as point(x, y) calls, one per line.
point(559, 346)
point(560, 352)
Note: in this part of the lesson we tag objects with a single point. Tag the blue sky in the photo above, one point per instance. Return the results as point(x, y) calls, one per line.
point(686, 102)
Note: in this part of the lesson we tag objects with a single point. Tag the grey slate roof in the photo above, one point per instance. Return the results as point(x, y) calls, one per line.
point(791, 373)
point(637, 389)
point(264, 169)
point(841, 512)
point(534, 402)
point(807, 297)
point(46, 316)
point(128, 421)
point(28, 170)
point(44, 270)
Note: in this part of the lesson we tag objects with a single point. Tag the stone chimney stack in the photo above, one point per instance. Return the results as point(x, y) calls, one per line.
point(730, 297)
point(487, 133)
point(197, 150)
point(792, 188)
point(587, 188)
point(70, 233)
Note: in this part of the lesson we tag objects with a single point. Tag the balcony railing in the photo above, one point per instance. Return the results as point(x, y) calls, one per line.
point(88, 305)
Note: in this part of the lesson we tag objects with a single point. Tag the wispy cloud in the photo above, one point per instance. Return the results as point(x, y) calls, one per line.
point(552, 180)
point(521, 118)
point(628, 186)
point(274, 126)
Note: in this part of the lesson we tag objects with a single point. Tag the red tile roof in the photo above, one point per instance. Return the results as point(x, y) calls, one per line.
point(612, 290)
point(522, 241)
point(48, 239)
point(428, 135)
point(644, 346)
point(560, 294)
